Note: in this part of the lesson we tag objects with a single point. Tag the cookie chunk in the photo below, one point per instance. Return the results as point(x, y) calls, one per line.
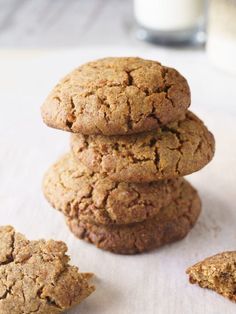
point(91, 197)
point(35, 276)
point(217, 273)
point(174, 150)
point(172, 223)
point(117, 96)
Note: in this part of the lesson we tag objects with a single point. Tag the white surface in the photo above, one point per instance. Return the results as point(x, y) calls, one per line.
point(168, 15)
point(153, 283)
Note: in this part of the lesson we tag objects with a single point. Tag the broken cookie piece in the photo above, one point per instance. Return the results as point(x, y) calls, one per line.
point(217, 273)
point(35, 276)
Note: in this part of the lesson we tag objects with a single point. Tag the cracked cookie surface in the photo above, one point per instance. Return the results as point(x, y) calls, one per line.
point(35, 276)
point(172, 223)
point(174, 150)
point(217, 273)
point(117, 96)
point(80, 193)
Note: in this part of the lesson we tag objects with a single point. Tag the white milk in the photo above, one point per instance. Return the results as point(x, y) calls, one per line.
point(168, 15)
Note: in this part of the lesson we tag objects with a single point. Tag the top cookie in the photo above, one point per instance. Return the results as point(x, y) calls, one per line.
point(35, 276)
point(115, 96)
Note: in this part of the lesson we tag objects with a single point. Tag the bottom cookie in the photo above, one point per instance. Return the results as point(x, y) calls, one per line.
point(171, 224)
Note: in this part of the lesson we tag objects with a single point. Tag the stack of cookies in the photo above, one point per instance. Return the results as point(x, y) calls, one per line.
point(133, 139)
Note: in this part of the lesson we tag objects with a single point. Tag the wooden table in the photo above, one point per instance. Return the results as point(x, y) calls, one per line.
point(48, 23)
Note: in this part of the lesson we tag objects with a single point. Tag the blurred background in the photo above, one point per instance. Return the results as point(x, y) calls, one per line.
point(64, 23)
point(196, 24)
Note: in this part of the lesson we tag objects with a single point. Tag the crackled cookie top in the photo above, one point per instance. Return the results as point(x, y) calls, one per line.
point(80, 193)
point(35, 276)
point(174, 150)
point(172, 223)
point(217, 273)
point(117, 96)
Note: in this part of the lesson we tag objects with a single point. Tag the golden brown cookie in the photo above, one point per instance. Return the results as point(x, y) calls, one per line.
point(117, 96)
point(79, 193)
point(172, 223)
point(35, 276)
point(217, 273)
point(174, 150)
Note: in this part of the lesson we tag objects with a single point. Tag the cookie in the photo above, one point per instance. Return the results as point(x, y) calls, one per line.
point(174, 150)
point(91, 197)
point(117, 96)
point(172, 223)
point(35, 276)
point(217, 273)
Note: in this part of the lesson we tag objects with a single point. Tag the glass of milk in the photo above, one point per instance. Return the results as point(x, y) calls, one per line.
point(221, 41)
point(170, 21)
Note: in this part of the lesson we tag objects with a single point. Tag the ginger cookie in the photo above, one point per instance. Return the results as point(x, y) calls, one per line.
point(117, 96)
point(91, 197)
point(35, 276)
point(217, 273)
point(174, 150)
point(172, 223)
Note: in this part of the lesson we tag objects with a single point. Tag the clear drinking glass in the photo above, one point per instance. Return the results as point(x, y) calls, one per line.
point(170, 22)
point(221, 42)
